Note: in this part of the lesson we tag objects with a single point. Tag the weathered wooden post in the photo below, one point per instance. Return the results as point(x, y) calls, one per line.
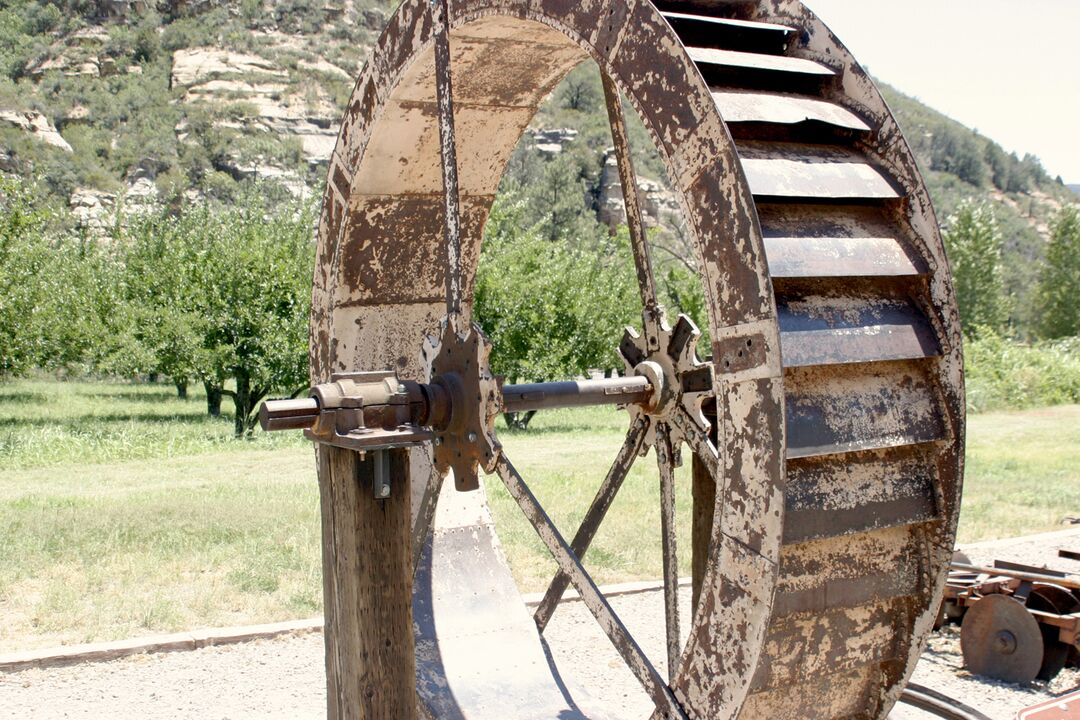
point(367, 585)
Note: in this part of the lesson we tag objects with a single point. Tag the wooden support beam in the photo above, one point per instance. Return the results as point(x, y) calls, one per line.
point(367, 586)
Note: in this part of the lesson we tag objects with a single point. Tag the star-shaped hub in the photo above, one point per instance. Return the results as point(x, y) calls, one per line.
point(680, 381)
point(465, 432)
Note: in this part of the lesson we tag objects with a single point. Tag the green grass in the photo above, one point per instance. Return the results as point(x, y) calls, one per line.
point(44, 422)
point(1023, 472)
point(124, 511)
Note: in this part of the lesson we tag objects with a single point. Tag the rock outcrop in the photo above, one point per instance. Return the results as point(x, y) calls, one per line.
point(302, 110)
point(658, 205)
point(36, 125)
point(550, 141)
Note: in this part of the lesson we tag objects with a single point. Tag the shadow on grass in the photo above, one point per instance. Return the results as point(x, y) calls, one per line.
point(23, 397)
point(163, 393)
point(556, 429)
point(81, 422)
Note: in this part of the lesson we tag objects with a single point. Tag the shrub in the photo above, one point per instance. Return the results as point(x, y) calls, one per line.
point(1003, 374)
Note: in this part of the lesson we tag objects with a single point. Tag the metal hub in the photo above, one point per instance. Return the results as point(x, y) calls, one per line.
point(667, 356)
point(465, 436)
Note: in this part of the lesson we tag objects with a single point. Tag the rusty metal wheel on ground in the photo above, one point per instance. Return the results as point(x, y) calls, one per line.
point(825, 501)
point(1000, 639)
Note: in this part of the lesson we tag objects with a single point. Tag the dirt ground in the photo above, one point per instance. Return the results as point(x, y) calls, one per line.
point(283, 678)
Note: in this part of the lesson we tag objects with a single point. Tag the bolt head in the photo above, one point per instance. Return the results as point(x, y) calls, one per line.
point(384, 491)
point(471, 437)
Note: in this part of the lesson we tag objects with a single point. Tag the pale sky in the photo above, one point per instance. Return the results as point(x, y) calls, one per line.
point(1009, 69)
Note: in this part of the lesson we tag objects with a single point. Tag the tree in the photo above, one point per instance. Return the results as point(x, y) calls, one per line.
point(257, 275)
point(974, 245)
point(552, 309)
point(224, 294)
point(164, 274)
point(1059, 281)
point(24, 259)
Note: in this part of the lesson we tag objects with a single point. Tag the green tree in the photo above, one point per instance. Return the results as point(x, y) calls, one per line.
point(24, 267)
point(164, 274)
point(552, 309)
point(974, 245)
point(221, 294)
point(1059, 281)
point(257, 274)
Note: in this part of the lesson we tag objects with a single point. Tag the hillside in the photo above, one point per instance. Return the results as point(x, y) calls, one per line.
point(113, 101)
point(116, 103)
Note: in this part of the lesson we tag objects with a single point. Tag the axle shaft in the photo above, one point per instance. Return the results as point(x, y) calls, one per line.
point(302, 414)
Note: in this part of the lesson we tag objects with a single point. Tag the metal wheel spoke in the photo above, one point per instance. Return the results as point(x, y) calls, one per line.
point(698, 441)
point(650, 311)
point(448, 152)
point(620, 637)
point(620, 468)
point(665, 462)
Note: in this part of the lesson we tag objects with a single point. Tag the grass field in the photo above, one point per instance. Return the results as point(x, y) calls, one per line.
point(125, 511)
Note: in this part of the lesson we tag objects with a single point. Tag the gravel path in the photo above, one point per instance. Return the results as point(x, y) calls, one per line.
point(283, 678)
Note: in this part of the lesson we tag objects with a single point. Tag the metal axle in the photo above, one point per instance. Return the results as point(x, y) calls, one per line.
point(431, 402)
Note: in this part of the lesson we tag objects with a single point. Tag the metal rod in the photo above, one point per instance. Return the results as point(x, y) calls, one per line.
point(620, 637)
point(302, 414)
point(620, 468)
point(698, 442)
point(650, 311)
point(576, 393)
point(1071, 583)
point(938, 704)
point(289, 414)
point(664, 462)
point(448, 153)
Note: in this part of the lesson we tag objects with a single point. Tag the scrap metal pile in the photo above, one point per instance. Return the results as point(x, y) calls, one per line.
point(1018, 622)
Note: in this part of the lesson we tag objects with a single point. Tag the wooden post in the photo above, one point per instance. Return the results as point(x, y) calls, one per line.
point(367, 587)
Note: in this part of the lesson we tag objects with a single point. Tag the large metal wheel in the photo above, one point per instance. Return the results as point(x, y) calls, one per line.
point(826, 496)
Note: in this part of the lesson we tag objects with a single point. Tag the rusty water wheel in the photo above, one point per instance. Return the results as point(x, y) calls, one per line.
point(825, 502)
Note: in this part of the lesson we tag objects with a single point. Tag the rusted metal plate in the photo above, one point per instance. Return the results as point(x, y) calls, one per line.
point(1066, 707)
point(730, 33)
point(745, 106)
point(1000, 639)
point(813, 172)
point(848, 571)
point(802, 647)
point(836, 695)
point(860, 407)
point(707, 56)
point(376, 253)
point(839, 495)
point(820, 330)
point(833, 241)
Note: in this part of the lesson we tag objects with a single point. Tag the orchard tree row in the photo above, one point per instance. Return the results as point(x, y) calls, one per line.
point(198, 294)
